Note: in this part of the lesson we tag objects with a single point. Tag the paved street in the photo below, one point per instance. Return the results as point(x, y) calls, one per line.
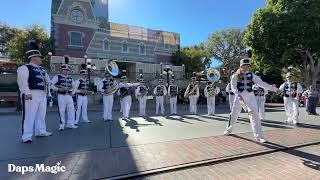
point(113, 149)
point(302, 163)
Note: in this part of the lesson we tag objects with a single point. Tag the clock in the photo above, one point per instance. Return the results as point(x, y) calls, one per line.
point(76, 16)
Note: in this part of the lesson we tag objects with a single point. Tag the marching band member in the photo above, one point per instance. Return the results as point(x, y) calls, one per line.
point(260, 95)
point(210, 92)
point(141, 94)
point(63, 84)
point(160, 91)
point(33, 84)
point(192, 92)
point(107, 87)
point(173, 93)
point(291, 90)
point(231, 94)
point(241, 85)
point(125, 93)
point(81, 86)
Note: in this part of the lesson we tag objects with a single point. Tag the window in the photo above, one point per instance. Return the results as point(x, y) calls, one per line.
point(125, 48)
point(166, 46)
point(76, 16)
point(106, 45)
point(75, 38)
point(142, 49)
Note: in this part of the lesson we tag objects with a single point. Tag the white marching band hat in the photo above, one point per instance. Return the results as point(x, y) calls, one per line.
point(66, 65)
point(245, 61)
point(83, 70)
point(194, 76)
point(141, 78)
point(34, 50)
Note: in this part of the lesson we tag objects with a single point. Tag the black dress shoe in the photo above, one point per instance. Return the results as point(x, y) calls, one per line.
point(27, 141)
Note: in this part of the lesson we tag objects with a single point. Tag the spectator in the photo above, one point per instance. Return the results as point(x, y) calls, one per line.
point(312, 99)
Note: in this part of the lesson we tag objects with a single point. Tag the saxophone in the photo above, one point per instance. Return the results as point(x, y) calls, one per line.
point(145, 92)
point(191, 91)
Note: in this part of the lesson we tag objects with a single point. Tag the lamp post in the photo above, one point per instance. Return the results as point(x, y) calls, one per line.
point(184, 71)
point(160, 67)
point(167, 71)
point(89, 67)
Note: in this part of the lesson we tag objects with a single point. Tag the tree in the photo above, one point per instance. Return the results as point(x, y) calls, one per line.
point(227, 46)
point(287, 33)
point(192, 58)
point(20, 43)
point(6, 34)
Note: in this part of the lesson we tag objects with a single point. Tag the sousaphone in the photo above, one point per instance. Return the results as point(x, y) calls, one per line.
point(112, 68)
point(213, 75)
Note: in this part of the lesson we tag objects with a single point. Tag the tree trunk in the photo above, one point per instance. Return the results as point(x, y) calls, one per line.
point(314, 68)
point(305, 70)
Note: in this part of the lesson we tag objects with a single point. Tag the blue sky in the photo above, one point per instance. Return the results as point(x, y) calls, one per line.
point(194, 20)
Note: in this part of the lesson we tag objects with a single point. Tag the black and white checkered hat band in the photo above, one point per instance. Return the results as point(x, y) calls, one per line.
point(33, 53)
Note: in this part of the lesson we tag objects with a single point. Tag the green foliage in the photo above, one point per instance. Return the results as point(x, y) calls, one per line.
point(6, 34)
point(20, 43)
point(279, 33)
point(192, 58)
point(227, 46)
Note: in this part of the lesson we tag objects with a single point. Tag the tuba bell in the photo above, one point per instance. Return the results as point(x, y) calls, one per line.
point(213, 75)
point(112, 68)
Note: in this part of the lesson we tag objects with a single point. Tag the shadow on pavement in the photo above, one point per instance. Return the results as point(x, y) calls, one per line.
point(153, 120)
point(180, 119)
point(308, 159)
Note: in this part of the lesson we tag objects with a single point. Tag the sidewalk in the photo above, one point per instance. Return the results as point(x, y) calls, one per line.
point(116, 107)
point(124, 162)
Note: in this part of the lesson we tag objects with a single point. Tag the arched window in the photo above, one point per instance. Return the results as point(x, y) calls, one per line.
point(142, 49)
point(125, 48)
point(106, 45)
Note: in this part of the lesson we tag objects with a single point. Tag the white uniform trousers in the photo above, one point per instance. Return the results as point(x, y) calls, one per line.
point(173, 105)
point(211, 105)
point(121, 105)
point(291, 106)
point(82, 107)
point(260, 101)
point(193, 104)
point(142, 105)
point(34, 114)
point(231, 100)
point(66, 102)
point(159, 104)
point(126, 105)
point(249, 100)
point(107, 107)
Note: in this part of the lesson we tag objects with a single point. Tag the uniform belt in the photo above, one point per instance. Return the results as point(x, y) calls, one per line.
point(64, 93)
point(82, 94)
